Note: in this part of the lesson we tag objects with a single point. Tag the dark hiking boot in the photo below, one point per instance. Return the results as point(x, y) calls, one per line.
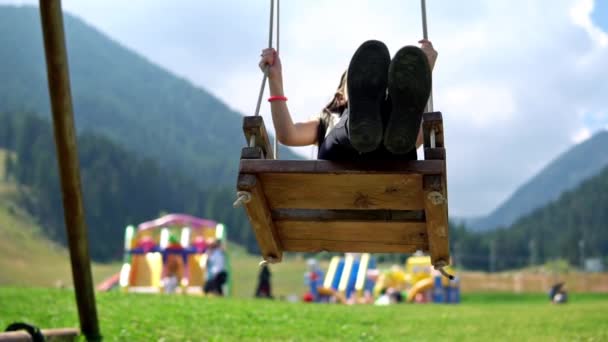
point(409, 87)
point(367, 78)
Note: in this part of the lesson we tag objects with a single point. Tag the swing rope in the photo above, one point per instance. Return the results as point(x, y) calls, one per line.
point(265, 77)
point(276, 140)
point(244, 197)
point(425, 35)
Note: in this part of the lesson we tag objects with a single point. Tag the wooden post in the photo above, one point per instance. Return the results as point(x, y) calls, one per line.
point(67, 155)
point(56, 335)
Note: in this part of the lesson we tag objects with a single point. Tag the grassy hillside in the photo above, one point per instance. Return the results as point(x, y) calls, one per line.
point(26, 257)
point(565, 173)
point(183, 318)
point(123, 96)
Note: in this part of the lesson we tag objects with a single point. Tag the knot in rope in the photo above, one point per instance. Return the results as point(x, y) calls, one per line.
point(269, 260)
point(242, 197)
point(439, 266)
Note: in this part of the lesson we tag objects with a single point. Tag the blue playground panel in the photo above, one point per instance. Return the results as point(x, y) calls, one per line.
point(350, 287)
point(449, 294)
point(336, 281)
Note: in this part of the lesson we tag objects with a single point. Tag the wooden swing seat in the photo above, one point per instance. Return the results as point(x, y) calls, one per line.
point(372, 207)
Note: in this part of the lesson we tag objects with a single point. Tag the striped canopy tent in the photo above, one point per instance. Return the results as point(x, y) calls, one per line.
point(181, 220)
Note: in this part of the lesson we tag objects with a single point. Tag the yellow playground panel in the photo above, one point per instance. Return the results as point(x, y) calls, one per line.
point(145, 270)
point(419, 279)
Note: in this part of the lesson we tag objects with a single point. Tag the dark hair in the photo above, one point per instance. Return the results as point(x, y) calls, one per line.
point(336, 105)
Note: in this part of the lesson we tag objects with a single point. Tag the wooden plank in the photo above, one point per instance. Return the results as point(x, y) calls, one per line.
point(316, 246)
point(401, 233)
point(348, 215)
point(254, 125)
point(432, 117)
point(436, 210)
point(260, 218)
point(423, 167)
point(437, 153)
point(343, 191)
point(58, 335)
point(252, 153)
point(433, 121)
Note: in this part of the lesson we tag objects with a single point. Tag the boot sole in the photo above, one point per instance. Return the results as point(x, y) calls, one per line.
point(367, 79)
point(409, 86)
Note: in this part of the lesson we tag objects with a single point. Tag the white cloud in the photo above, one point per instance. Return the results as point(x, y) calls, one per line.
point(483, 107)
point(509, 74)
point(581, 16)
point(582, 135)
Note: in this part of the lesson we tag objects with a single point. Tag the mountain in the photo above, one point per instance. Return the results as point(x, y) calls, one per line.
point(548, 233)
point(579, 163)
point(119, 188)
point(123, 96)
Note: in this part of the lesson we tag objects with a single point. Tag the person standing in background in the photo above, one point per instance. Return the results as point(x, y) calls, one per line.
point(216, 269)
point(264, 288)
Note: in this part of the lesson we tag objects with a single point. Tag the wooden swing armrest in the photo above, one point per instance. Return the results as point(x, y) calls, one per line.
point(254, 126)
point(433, 122)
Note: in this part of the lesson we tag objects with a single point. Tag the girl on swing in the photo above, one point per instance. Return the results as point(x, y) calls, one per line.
point(376, 111)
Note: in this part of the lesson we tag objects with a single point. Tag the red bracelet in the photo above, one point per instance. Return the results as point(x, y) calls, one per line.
point(277, 98)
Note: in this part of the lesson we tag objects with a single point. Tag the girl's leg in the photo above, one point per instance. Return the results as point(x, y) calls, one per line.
point(337, 147)
point(409, 87)
point(367, 77)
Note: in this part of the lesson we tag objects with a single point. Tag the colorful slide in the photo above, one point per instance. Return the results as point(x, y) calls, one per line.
point(346, 277)
point(420, 287)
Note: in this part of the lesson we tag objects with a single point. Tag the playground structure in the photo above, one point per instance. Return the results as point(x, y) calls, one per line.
point(346, 280)
point(355, 278)
point(420, 282)
point(156, 261)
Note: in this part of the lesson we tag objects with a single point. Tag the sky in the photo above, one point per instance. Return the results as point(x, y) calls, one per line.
point(518, 81)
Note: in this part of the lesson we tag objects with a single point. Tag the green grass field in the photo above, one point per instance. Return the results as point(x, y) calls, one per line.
point(128, 317)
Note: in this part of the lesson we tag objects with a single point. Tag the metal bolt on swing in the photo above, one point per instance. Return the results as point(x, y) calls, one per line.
point(436, 197)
